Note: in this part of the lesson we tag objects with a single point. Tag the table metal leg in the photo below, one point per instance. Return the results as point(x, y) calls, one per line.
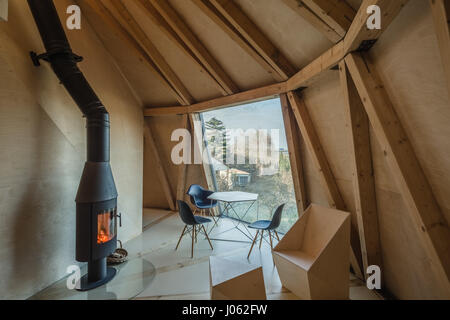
point(228, 208)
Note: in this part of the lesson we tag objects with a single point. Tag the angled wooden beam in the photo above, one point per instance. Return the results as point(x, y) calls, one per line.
point(359, 34)
point(108, 17)
point(338, 14)
point(191, 40)
point(163, 178)
point(255, 37)
point(182, 168)
point(320, 160)
point(314, 145)
point(363, 175)
point(294, 146)
point(200, 148)
point(152, 13)
point(151, 50)
point(231, 31)
point(299, 7)
point(222, 102)
point(405, 167)
point(441, 17)
point(312, 71)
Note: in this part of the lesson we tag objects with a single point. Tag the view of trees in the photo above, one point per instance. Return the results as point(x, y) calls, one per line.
point(273, 189)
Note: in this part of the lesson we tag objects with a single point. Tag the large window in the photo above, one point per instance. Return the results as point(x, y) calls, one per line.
point(248, 151)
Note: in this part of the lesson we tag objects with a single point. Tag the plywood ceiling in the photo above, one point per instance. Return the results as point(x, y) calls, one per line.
point(293, 36)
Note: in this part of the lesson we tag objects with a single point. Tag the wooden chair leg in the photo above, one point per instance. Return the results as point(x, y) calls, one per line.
point(270, 238)
point(260, 241)
point(182, 234)
point(206, 234)
point(253, 243)
point(193, 238)
point(276, 233)
point(196, 233)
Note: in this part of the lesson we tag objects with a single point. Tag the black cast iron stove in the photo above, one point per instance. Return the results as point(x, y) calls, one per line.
point(96, 200)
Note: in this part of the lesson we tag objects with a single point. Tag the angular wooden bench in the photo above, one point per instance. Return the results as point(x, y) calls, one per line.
point(313, 259)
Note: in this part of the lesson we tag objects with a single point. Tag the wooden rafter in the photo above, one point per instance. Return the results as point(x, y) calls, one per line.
point(231, 31)
point(194, 44)
point(255, 37)
point(222, 102)
point(359, 33)
point(182, 168)
point(199, 147)
point(102, 11)
point(293, 139)
point(150, 11)
point(313, 70)
point(363, 175)
point(163, 178)
point(405, 167)
point(153, 52)
point(320, 25)
point(338, 14)
point(356, 35)
point(320, 160)
point(315, 147)
point(153, 14)
point(441, 16)
point(308, 74)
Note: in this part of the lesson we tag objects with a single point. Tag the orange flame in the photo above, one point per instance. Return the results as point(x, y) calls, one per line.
point(104, 234)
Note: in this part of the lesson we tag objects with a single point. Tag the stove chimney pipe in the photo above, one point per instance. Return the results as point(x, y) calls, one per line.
point(97, 191)
point(64, 63)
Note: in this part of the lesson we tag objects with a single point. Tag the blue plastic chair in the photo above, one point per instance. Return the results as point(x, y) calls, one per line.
point(267, 225)
point(199, 198)
point(194, 224)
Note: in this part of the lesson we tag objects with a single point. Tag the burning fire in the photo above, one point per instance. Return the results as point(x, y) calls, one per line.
point(102, 237)
point(104, 232)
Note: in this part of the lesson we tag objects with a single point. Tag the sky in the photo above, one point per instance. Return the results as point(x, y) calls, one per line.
point(258, 115)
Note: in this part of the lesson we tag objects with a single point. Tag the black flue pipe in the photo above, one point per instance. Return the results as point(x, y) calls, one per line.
point(97, 191)
point(64, 63)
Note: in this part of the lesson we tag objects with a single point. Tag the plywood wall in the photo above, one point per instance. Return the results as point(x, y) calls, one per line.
point(154, 197)
point(407, 56)
point(42, 142)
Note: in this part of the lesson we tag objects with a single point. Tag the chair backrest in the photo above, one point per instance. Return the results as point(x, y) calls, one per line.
point(197, 193)
point(276, 219)
point(186, 213)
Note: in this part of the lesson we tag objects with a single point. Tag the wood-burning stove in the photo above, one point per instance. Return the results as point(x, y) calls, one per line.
point(96, 216)
point(96, 229)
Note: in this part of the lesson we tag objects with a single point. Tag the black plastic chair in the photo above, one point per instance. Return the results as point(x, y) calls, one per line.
point(267, 225)
point(194, 224)
point(199, 198)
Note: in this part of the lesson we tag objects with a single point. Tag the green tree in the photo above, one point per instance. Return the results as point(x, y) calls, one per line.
point(217, 136)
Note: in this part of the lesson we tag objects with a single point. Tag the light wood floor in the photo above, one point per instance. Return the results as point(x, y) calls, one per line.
point(180, 277)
